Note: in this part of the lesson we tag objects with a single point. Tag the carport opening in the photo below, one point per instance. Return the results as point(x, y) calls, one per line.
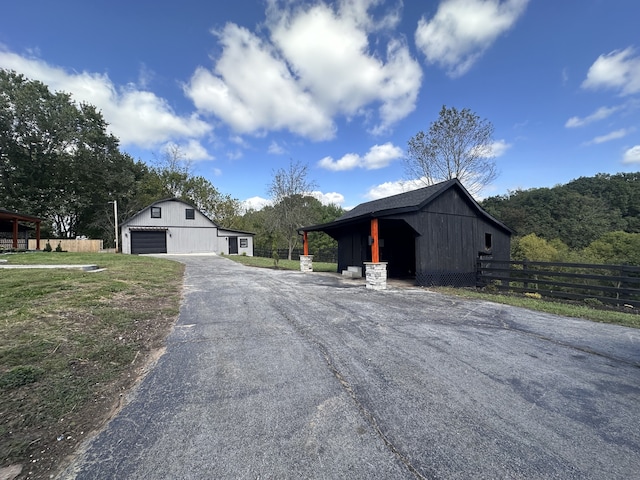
point(398, 248)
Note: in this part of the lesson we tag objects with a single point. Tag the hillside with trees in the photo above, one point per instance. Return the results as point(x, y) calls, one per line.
point(590, 219)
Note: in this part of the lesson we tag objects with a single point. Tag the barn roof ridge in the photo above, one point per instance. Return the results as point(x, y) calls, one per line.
point(168, 199)
point(405, 202)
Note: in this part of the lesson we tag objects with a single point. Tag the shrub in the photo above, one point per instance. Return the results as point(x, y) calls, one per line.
point(593, 302)
point(535, 295)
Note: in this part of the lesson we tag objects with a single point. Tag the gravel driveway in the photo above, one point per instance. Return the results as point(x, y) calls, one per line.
point(275, 374)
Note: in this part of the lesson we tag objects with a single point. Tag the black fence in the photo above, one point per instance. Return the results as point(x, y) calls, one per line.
point(611, 284)
point(328, 256)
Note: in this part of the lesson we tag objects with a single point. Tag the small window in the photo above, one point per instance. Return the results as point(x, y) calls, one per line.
point(156, 212)
point(190, 214)
point(488, 241)
point(244, 243)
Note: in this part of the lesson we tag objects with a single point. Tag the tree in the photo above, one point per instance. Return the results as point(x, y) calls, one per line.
point(320, 241)
point(173, 177)
point(57, 160)
point(292, 205)
point(616, 248)
point(458, 145)
point(535, 249)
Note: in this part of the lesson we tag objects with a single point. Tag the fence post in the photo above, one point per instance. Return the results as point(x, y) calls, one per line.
point(525, 283)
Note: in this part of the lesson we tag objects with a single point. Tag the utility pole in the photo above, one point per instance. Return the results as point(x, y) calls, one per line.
point(115, 220)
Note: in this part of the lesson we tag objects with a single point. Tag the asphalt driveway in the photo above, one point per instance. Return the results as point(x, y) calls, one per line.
point(274, 374)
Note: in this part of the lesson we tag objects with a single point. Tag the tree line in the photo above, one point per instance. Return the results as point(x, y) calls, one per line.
point(59, 163)
point(588, 220)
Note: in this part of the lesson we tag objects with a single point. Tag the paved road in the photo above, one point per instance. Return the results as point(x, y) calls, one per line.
point(272, 374)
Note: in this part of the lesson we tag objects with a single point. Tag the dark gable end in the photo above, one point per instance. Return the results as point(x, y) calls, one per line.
point(435, 234)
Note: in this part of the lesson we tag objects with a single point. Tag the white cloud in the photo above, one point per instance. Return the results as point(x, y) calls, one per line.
point(329, 198)
point(461, 30)
point(393, 188)
point(632, 155)
point(623, 132)
point(192, 150)
point(252, 90)
point(600, 114)
point(618, 70)
point(276, 149)
point(498, 148)
point(316, 64)
point(255, 203)
point(378, 156)
point(136, 117)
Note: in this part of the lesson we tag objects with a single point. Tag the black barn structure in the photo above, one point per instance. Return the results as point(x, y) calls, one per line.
point(435, 234)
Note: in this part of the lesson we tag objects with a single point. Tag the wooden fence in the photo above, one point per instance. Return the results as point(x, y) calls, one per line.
point(82, 245)
point(611, 284)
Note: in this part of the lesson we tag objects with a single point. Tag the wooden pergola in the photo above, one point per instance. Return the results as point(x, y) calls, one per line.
point(14, 218)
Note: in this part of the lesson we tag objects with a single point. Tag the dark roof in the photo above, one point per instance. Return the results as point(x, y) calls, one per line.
point(9, 215)
point(412, 201)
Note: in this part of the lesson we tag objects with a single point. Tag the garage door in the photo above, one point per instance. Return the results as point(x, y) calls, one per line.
point(149, 242)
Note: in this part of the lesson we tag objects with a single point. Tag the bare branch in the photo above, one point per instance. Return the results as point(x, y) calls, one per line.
point(457, 145)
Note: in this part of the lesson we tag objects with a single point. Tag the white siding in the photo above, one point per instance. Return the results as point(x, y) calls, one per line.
point(199, 235)
point(224, 237)
point(173, 215)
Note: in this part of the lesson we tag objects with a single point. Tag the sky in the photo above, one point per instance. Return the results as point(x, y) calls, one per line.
point(243, 88)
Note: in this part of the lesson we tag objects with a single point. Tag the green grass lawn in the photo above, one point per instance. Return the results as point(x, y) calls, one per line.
point(554, 306)
point(71, 342)
point(282, 264)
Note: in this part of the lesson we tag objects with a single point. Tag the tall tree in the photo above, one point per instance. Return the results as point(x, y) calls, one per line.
point(458, 145)
point(292, 203)
point(57, 160)
point(173, 177)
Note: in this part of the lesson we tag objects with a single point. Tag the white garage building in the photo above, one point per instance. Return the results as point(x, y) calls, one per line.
point(174, 226)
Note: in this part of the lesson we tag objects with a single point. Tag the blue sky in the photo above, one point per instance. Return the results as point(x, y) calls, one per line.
point(245, 87)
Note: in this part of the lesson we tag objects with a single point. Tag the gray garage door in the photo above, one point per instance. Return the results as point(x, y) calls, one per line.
point(149, 242)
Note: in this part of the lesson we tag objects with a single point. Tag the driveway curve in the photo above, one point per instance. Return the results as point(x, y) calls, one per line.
point(276, 374)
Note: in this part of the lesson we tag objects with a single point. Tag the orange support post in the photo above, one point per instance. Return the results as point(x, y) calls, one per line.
point(306, 243)
point(375, 251)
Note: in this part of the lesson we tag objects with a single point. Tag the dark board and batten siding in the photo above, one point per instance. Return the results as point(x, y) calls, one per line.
point(435, 234)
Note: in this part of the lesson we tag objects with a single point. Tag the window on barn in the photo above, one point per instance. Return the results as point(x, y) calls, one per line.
point(488, 241)
point(189, 213)
point(156, 212)
point(244, 243)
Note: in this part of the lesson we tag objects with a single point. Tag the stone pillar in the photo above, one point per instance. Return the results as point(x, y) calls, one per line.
point(376, 275)
point(306, 263)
